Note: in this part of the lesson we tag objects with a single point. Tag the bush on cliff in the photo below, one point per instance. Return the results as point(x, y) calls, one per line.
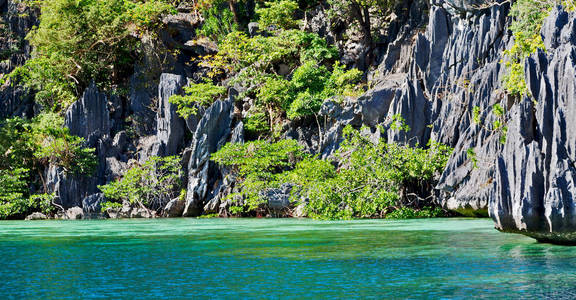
point(80, 41)
point(150, 185)
point(197, 95)
point(528, 16)
point(288, 74)
point(27, 147)
point(257, 166)
point(218, 20)
point(280, 14)
point(374, 180)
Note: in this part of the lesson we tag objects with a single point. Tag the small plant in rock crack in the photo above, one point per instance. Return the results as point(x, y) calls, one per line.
point(499, 121)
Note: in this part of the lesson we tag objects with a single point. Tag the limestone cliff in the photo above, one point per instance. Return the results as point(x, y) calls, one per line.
point(439, 61)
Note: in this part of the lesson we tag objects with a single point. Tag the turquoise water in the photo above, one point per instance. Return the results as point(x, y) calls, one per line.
point(240, 258)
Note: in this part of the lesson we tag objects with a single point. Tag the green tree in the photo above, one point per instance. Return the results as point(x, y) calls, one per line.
point(257, 165)
point(197, 94)
point(27, 148)
point(150, 185)
point(279, 14)
point(360, 13)
point(367, 179)
point(80, 41)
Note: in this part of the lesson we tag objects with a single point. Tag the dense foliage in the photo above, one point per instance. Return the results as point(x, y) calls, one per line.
point(368, 180)
point(528, 16)
point(151, 184)
point(376, 180)
point(219, 20)
point(199, 94)
point(257, 165)
point(280, 14)
point(27, 147)
point(78, 42)
point(288, 73)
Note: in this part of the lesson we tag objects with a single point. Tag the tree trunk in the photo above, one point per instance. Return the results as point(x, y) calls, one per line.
point(232, 5)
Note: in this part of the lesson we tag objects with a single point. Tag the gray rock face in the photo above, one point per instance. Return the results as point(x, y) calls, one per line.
point(70, 190)
point(253, 29)
point(318, 22)
point(14, 51)
point(174, 208)
point(526, 184)
point(462, 6)
point(91, 205)
point(455, 66)
point(141, 213)
point(170, 126)
point(433, 84)
point(536, 174)
point(89, 117)
point(128, 211)
point(211, 134)
point(278, 199)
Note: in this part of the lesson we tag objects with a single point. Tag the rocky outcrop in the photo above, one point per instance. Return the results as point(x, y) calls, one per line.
point(536, 175)
point(525, 177)
point(211, 134)
point(89, 117)
point(91, 205)
point(431, 81)
point(75, 213)
point(170, 126)
point(278, 199)
point(36, 216)
point(15, 22)
point(70, 190)
point(174, 208)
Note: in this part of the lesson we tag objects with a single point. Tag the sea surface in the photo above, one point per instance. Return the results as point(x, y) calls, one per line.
point(277, 259)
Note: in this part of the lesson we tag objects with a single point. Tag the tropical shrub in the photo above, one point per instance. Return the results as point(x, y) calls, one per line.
point(279, 14)
point(238, 51)
point(15, 200)
point(151, 184)
point(218, 21)
point(257, 165)
point(528, 16)
point(256, 124)
point(367, 180)
point(309, 74)
point(44, 140)
point(27, 147)
point(77, 42)
point(374, 179)
point(197, 94)
point(13, 191)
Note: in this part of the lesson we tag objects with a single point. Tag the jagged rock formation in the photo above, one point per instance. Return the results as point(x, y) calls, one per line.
point(15, 22)
point(211, 134)
point(89, 117)
point(434, 82)
point(536, 174)
point(170, 127)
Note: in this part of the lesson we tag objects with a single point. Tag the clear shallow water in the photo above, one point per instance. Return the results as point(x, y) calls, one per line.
point(240, 258)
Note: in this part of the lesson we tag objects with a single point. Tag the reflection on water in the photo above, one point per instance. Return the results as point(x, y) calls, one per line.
point(239, 258)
